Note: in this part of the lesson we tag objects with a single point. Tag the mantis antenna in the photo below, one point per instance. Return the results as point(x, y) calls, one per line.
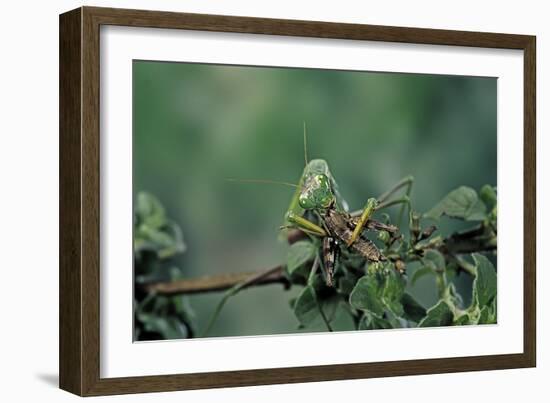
point(266, 181)
point(273, 182)
point(305, 142)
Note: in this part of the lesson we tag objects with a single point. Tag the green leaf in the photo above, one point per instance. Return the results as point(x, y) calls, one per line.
point(493, 312)
point(413, 310)
point(168, 327)
point(376, 292)
point(177, 245)
point(330, 306)
point(149, 210)
point(434, 259)
point(462, 203)
point(483, 316)
point(184, 311)
point(153, 232)
point(305, 307)
point(438, 315)
point(396, 321)
point(488, 195)
point(160, 238)
point(346, 284)
point(298, 254)
point(371, 322)
point(485, 282)
point(473, 313)
point(421, 272)
point(365, 295)
point(462, 320)
point(487, 314)
point(292, 303)
point(157, 238)
point(394, 288)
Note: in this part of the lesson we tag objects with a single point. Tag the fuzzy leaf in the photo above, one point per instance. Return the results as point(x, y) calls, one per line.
point(485, 283)
point(365, 295)
point(305, 307)
point(434, 259)
point(421, 272)
point(483, 316)
point(371, 322)
point(168, 327)
point(462, 203)
point(462, 320)
point(298, 254)
point(149, 210)
point(488, 195)
point(412, 308)
point(330, 306)
point(346, 284)
point(493, 311)
point(438, 315)
point(394, 288)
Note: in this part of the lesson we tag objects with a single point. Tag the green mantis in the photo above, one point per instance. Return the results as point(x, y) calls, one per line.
point(317, 197)
point(318, 209)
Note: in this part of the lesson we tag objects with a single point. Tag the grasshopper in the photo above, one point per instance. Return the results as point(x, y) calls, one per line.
point(317, 198)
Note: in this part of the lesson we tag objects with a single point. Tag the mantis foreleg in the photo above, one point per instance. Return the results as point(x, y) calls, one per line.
point(407, 181)
point(305, 225)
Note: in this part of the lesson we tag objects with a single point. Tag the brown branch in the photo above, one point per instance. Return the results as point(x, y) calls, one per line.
point(220, 282)
point(469, 241)
point(467, 246)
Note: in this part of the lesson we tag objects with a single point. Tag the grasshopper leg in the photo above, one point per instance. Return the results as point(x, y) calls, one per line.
point(369, 209)
point(329, 259)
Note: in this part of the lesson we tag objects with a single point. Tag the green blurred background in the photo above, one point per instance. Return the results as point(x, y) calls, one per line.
point(195, 125)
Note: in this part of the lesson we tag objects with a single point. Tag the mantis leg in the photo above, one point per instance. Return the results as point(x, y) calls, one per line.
point(369, 209)
point(407, 182)
point(384, 201)
point(381, 202)
point(305, 225)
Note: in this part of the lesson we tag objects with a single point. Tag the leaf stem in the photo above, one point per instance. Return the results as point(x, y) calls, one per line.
point(233, 291)
point(323, 316)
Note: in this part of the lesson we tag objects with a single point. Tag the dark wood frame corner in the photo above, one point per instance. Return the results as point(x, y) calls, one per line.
point(79, 200)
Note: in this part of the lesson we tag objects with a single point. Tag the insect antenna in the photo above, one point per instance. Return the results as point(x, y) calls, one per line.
point(274, 182)
point(263, 181)
point(305, 142)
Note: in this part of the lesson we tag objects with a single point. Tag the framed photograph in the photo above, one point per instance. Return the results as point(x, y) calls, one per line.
point(249, 201)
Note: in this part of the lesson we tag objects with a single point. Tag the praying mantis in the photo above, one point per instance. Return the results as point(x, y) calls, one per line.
point(318, 209)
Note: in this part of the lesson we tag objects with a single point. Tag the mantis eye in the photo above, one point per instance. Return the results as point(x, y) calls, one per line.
point(316, 193)
point(306, 202)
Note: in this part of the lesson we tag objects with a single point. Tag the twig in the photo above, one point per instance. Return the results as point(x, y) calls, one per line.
point(220, 282)
point(469, 241)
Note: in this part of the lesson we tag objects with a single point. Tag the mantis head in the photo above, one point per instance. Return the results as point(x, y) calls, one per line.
point(316, 192)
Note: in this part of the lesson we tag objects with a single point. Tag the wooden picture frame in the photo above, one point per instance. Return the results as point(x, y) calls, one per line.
point(80, 200)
